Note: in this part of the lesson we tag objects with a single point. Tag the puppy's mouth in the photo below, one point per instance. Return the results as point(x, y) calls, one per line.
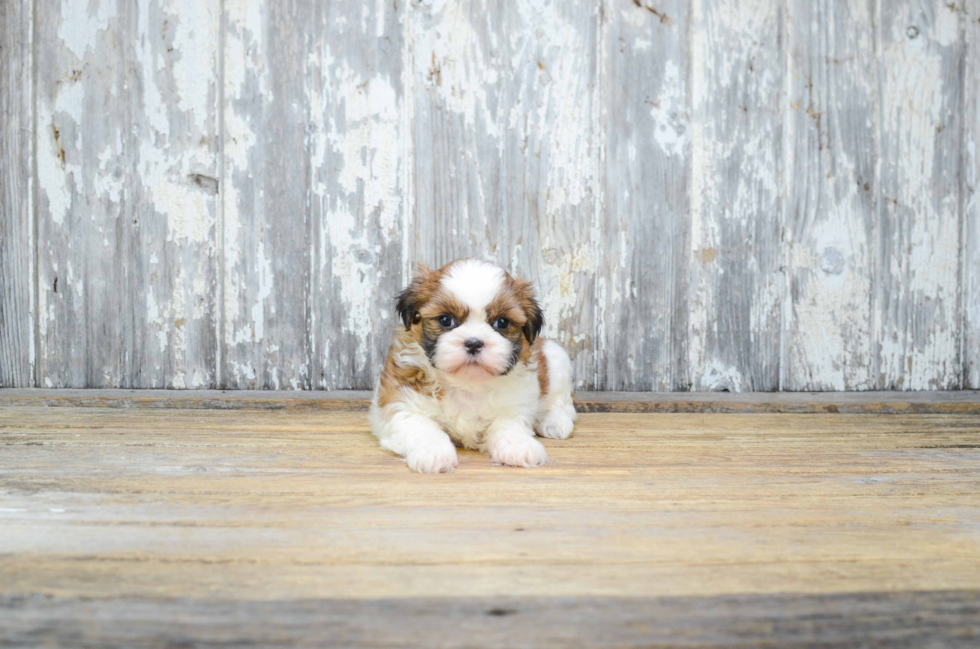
point(472, 369)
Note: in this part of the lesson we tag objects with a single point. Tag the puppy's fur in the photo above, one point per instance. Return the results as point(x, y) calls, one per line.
point(467, 368)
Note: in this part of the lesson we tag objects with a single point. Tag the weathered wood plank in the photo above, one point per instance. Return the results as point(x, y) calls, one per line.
point(947, 619)
point(268, 255)
point(904, 402)
point(109, 503)
point(960, 402)
point(921, 136)
point(192, 399)
point(644, 264)
point(16, 187)
point(832, 187)
point(970, 255)
point(737, 285)
point(358, 118)
point(313, 209)
point(505, 150)
point(127, 166)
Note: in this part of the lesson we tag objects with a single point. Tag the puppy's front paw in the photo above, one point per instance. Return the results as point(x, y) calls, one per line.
point(518, 449)
point(433, 457)
point(556, 425)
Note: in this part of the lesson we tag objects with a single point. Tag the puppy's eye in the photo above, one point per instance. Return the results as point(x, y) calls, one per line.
point(447, 321)
point(501, 323)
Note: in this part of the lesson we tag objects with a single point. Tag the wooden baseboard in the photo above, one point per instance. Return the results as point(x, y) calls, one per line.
point(955, 402)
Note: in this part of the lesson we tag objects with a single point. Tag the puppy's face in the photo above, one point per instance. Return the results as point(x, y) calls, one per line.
point(473, 319)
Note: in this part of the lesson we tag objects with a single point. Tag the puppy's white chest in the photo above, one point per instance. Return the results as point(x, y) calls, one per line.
point(466, 415)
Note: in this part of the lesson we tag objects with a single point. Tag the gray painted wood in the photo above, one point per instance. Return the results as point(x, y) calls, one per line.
point(644, 267)
point(917, 273)
point(885, 620)
point(504, 150)
point(709, 195)
point(832, 187)
point(126, 196)
point(16, 213)
point(970, 199)
point(736, 215)
point(358, 122)
point(312, 204)
point(267, 251)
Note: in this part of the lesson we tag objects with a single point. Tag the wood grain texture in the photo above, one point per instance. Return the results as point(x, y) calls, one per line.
point(917, 271)
point(931, 402)
point(126, 166)
point(267, 233)
point(644, 267)
point(737, 283)
point(970, 245)
point(831, 217)
point(946, 619)
point(716, 195)
point(505, 150)
point(292, 505)
point(16, 208)
point(313, 207)
point(358, 118)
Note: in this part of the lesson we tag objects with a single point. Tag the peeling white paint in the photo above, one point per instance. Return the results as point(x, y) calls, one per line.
point(669, 113)
point(918, 343)
point(559, 286)
point(717, 377)
point(727, 202)
point(517, 110)
point(81, 26)
point(455, 66)
point(59, 173)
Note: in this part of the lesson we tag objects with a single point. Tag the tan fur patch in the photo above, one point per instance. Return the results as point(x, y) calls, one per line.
point(516, 303)
point(542, 367)
point(396, 377)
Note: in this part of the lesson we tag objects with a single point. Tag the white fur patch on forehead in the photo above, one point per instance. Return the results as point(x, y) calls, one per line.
point(474, 283)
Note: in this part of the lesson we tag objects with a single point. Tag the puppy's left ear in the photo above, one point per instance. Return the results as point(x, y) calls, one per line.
point(535, 319)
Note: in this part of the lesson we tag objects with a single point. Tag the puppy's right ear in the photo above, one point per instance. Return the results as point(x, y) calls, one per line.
point(410, 300)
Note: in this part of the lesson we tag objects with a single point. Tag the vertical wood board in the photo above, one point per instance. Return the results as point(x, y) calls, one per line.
point(644, 264)
point(127, 179)
point(16, 208)
point(505, 150)
point(267, 254)
point(736, 191)
point(357, 130)
point(832, 188)
point(917, 271)
point(970, 199)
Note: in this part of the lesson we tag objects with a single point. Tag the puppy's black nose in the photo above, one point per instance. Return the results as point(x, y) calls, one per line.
point(473, 345)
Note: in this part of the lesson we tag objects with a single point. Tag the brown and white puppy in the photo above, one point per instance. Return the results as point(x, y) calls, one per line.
point(467, 368)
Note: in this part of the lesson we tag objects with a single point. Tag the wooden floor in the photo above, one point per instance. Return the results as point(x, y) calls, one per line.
point(133, 527)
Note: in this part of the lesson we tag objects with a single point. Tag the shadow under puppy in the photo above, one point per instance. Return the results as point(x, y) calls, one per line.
point(469, 369)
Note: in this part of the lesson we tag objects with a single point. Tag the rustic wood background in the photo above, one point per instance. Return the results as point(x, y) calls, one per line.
point(710, 194)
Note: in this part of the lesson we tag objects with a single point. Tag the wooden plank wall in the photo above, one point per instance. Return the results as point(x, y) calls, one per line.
point(709, 194)
point(16, 211)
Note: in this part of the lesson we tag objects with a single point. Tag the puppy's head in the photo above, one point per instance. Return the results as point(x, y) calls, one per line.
point(472, 318)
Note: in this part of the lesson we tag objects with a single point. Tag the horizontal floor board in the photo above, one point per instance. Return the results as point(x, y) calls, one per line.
point(949, 619)
point(964, 402)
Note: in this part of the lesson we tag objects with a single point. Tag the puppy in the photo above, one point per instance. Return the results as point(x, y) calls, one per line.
point(467, 368)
